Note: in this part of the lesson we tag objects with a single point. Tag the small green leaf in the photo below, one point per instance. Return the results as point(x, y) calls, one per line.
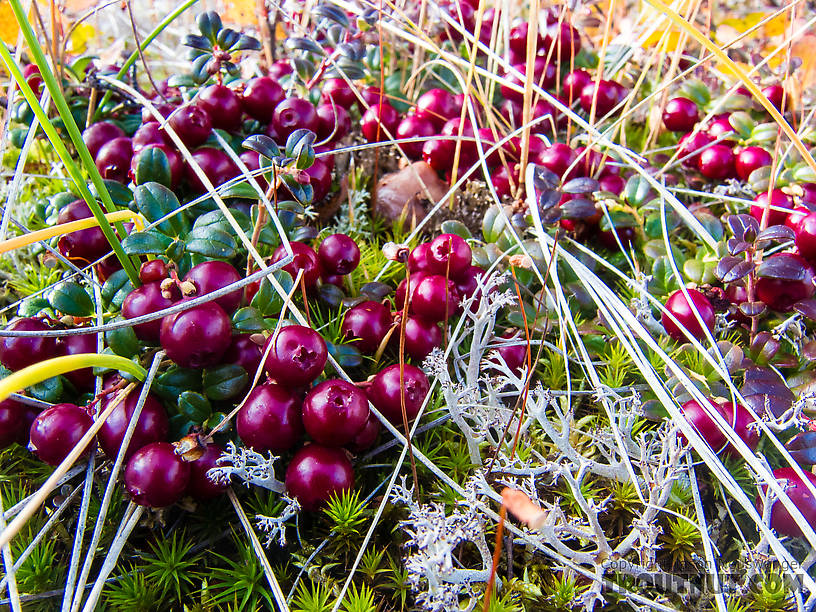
point(175, 381)
point(247, 320)
point(152, 165)
point(151, 242)
point(31, 307)
point(346, 355)
point(155, 202)
point(194, 407)
point(209, 24)
point(119, 193)
point(299, 146)
point(123, 341)
point(70, 298)
point(49, 390)
point(225, 381)
point(267, 301)
point(211, 242)
point(456, 227)
point(116, 289)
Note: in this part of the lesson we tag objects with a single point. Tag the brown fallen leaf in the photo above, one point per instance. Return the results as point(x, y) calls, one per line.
point(405, 191)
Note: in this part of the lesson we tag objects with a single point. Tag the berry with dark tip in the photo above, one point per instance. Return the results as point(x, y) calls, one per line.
point(296, 355)
point(365, 325)
point(155, 476)
point(386, 392)
point(334, 412)
point(57, 430)
point(316, 473)
point(305, 259)
point(338, 254)
point(293, 114)
point(270, 419)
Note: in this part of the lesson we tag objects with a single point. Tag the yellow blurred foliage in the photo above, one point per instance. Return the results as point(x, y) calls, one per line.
point(240, 12)
point(8, 24)
point(667, 41)
point(82, 34)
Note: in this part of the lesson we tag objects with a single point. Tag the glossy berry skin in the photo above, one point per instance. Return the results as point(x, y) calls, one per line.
point(514, 351)
point(737, 417)
point(385, 392)
point(209, 276)
point(270, 419)
point(98, 134)
point(320, 178)
point(11, 422)
point(145, 300)
point(216, 166)
point(435, 298)
point(245, 353)
point(705, 424)
point(606, 99)
point(684, 312)
point(200, 486)
point(612, 183)
point(439, 154)
point(467, 281)
point(797, 490)
point(779, 294)
point(690, 147)
point(749, 159)
point(367, 436)
point(780, 205)
point(796, 216)
point(316, 473)
point(197, 337)
point(152, 425)
point(399, 295)
point(113, 159)
point(338, 254)
point(87, 244)
point(379, 119)
point(57, 430)
point(339, 91)
point(414, 127)
point(740, 420)
point(365, 325)
point(18, 352)
point(334, 412)
point(809, 192)
point(77, 344)
point(192, 124)
point(716, 162)
point(222, 105)
point(294, 114)
point(334, 122)
point(297, 355)
point(418, 258)
point(153, 271)
point(149, 134)
point(722, 130)
point(165, 110)
point(437, 106)
point(776, 96)
point(558, 158)
point(421, 337)
point(155, 476)
point(680, 114)
point(449, 254)
point(500, 179)
point(261, 96)
point(305, 259)
point(574, 83)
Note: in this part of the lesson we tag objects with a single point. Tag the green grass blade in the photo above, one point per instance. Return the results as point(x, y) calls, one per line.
point(76, 137)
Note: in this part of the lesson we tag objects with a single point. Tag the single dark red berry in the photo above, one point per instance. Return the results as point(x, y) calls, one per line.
point(339, 91)
point(797, 490)
point(305, 259)
point(152, 425)
point(449, 255)
point(333, 122)
point(150, 134)
point(270, 419)
point(776, 96)
point(418, 258)
point(153, 271)
point(421, 337)
point(414, 127)
point(145, 300)
point(11, 422)
point(197, 337)
point(216, 165)
point(19, 352)
point(320, 178)
point(87, 244)
point(77, 344)
point(99, 134)
point(690, 147)
point(365, 325)
point(780, 294)
point(717, 162)
point(155, 476)
point(378, 120)
point(796, 217)
point(439, 154)
point(684, 311)
point(210, 276)
point(280, 68)
point(514, 351)
point(173, 159)
point(293, 114)
point(338, 254)
point(435, 298)
point(113, 159)
point(558, 158)
point(606, 97)
point(367, 436)
point(316, 473)
point(334, 412)
point(297, 355)
point(223, 106)
point(200, 486)
point(749, 159)
point(680, 114)
point(700, 418)
point(437, 106)
point(778, 210)
point(574, 83)
point(261, 96)
point(192, 124)
point(57, 430)
point(165, 110)
point(722, 130)
point(244, 352)
point(399, 296)
point(386, 392)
